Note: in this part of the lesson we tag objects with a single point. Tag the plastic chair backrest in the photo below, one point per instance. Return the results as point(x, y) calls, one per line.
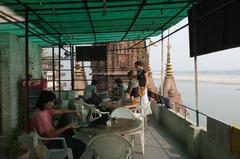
point(143, 108)
point(123, 113)
point(111, 146)
point(82, 109)
point(67, 151)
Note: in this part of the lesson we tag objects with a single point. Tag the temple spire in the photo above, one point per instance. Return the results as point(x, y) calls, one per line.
point(170, 88)
point(169, 68)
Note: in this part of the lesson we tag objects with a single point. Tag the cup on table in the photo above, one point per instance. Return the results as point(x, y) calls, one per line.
point(109, 123)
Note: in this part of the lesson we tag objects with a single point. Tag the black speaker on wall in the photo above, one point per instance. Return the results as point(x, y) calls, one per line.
point(214, 25)
point(91, 53)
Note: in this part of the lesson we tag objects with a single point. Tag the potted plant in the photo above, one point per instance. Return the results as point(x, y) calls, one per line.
point(12, 148)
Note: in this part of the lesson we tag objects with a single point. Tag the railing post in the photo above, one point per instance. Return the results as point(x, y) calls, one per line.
point(197, 117)
point(196, 90)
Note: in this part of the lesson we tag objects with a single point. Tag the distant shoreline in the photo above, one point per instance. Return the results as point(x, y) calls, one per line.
point(202, 71)
point(221, 77)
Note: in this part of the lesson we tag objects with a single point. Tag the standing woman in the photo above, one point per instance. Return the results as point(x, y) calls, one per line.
point(142, 76)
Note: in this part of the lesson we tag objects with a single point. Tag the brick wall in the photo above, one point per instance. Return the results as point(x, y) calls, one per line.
point(12, 70)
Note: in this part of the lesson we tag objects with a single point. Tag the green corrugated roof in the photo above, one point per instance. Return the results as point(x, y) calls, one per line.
point(86, 21)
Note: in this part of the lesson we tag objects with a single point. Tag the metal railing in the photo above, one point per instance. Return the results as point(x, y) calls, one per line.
point(190, 114)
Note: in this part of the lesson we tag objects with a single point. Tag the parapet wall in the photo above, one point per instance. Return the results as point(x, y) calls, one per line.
point(200, 143)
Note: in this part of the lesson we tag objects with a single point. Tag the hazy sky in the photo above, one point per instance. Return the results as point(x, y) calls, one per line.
point(180, 56)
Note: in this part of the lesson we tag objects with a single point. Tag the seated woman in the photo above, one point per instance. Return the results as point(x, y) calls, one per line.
point(43, 123)
point(120, 89)
point(133, 85)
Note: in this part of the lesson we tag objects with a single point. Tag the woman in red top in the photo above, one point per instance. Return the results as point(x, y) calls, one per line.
point(43, 123)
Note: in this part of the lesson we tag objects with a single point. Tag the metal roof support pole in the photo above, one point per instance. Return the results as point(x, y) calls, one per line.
point(53, 68)
point(134, 19)
point(39, 9)
point(106, 63)
point(162, 38)
point(161, 93)
point(196, 76)
point(72, 66)
point(196, 89)
point(59, 67)
point(90, 20)
point(33, 11)
point(27, 68)
point(161, 27)
point(22, 27)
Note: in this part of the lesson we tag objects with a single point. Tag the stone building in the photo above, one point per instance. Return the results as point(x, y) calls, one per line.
point(119, 61)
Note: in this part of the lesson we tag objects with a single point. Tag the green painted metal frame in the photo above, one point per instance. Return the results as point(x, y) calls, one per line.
point(94, 21)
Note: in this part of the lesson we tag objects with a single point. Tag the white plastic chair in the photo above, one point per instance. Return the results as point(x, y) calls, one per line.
point(56, 153)
point(111, 146)
point(128, 114)
point(88, 109)
point(82, 109)
point(29, 142)
point(123, 113)
point(140, 111)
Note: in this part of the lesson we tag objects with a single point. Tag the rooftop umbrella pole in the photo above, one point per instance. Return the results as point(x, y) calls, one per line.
point(196, 89)
point(27, 68)
point(59, 67)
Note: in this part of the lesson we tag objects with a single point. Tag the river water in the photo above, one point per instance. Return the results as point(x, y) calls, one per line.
point(219, 94)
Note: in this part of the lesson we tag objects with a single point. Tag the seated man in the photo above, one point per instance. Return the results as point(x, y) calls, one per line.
point(43, 123)
point(90, 94)
point(120, 89)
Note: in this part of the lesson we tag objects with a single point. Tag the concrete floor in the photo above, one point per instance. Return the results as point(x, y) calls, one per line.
point(160, 145)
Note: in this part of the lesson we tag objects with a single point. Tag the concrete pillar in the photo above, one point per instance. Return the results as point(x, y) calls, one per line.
point(12, 72)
